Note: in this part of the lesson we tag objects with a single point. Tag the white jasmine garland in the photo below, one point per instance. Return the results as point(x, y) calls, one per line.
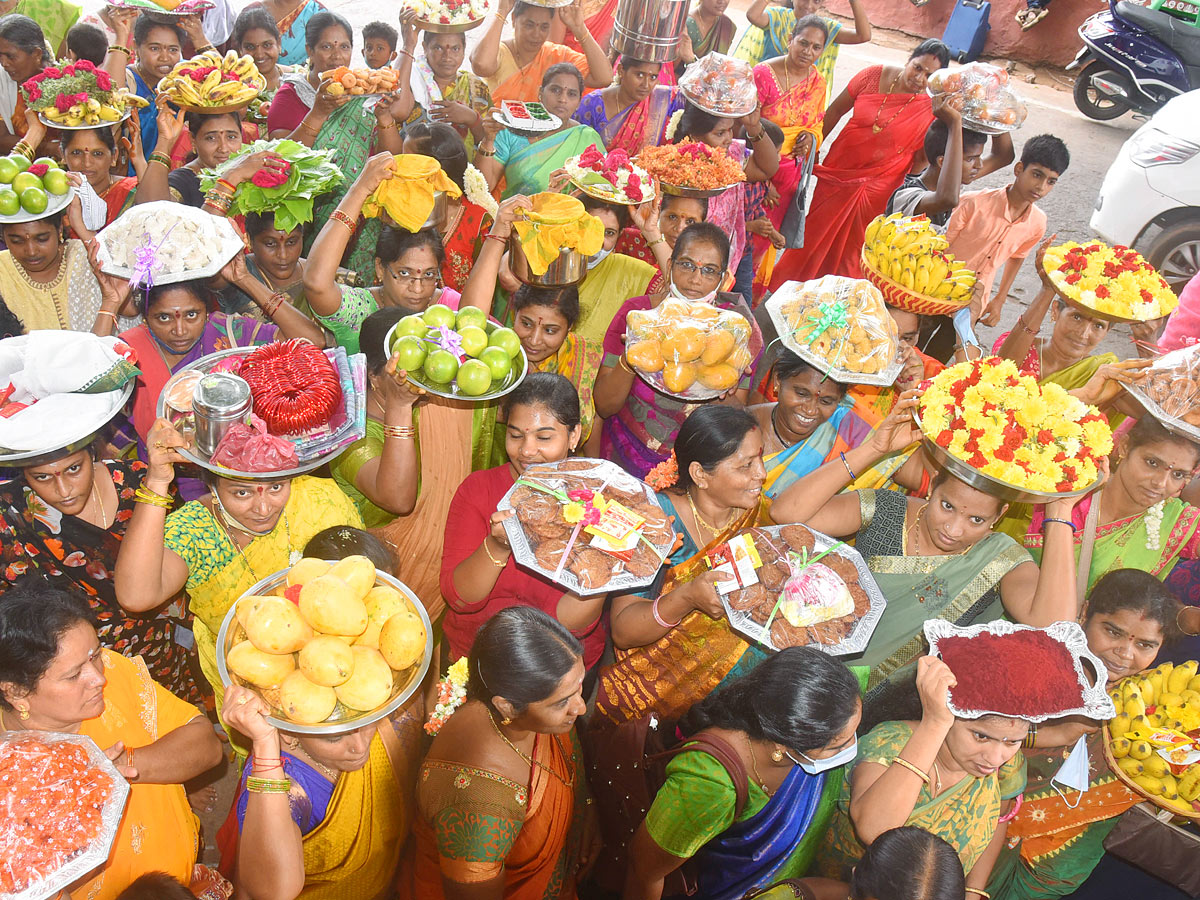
point(477, 190)
point(673, 125)
point(1154, 520)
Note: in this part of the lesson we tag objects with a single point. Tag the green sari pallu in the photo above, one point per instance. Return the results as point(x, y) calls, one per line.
point(528, 170)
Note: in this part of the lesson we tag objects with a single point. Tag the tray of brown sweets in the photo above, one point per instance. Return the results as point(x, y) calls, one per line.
point(1170, 391)
point(588, 525)
point(795, 587)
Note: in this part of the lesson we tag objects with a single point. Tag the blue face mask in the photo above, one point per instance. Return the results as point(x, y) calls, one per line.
point(597, 258)
point(817, 766)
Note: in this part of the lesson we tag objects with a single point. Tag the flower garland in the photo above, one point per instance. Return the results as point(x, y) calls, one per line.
point(475, 186)
point(451, 693)
point(1113, 280)
point(1006, 425)
point(672, 126)
point(665, 474)
point(1154, 520)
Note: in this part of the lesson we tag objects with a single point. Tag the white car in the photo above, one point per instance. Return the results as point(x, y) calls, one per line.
point(1151, 192)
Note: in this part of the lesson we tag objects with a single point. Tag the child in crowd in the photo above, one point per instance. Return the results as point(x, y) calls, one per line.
point(379, 44)
point(88, 42)
point(341, 541)
point(155, 885)
point(1000, 227)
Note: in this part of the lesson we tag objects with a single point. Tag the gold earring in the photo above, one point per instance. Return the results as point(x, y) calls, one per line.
point(777, 755)
point(23, 713)
point(506, 721)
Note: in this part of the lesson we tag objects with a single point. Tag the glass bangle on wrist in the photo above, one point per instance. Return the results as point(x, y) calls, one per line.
point(659, 619)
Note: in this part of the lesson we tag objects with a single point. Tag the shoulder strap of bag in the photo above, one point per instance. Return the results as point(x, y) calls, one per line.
point(1084, 569)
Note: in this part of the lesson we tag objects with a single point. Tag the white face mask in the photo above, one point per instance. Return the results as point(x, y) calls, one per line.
point(817, 766)
point(679, 295)
point(596, 259)
point(1073, 773)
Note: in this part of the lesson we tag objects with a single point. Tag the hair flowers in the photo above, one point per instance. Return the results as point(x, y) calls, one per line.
point(665, 474)
point(451, 693)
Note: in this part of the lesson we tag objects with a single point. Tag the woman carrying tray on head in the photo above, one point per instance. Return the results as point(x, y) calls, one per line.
point(479, 575)
point(950, 776)
point(935, 558)
point(1057, 836)
point(641, 422)
point(632, 113)
point(674, 644)
point(219, 546)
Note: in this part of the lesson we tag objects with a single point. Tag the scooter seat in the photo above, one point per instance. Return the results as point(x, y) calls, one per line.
point(1181, 37)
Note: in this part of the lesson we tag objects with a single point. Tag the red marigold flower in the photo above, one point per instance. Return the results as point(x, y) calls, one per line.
point(977, 460)
point(103, 81)
point(35, 93)
point(1146, 296)
point(944, 439)
point(62, 103)
point(1073, 278)
point(85, 65)
point(1045, 436)
point(1003, 453)
point(1060, 456)
point(52, 72)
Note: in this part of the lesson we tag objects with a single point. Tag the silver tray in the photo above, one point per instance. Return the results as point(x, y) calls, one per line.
point(114, 808)
point(856, 642)
point(610, 194)
point(523, 551)
point(87, 432)
point(516, 374)
point(343, 719)
point(50, 123)
point(1096, 702)
point(839, 374)
point(189, 453)
point(449, 27)
point(676, 190)
point(1089, 311)
point(1171, 423)
point(988, 127)
point(720, 113)
point(972, 477)
point(55, 204)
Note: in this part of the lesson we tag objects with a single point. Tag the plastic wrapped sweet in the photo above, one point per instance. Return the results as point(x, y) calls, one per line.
point(1170, 387)
point(250, 448)
point(294, 385)
point(841, 326)
point(788, 586)
point(989, 102)
point(588, 525)
point(721, 85)
point(695, 351)
point(60, 804)
point(164, 242)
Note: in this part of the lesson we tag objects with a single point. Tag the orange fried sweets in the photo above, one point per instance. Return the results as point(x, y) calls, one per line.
point(360, 81)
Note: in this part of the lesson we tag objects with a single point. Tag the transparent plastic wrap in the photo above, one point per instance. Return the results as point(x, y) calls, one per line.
point(60, 808)
point(1170, 390)
point(1114, 283)
point(990, 104)
point(164, 242)
point(588, 525)
point(910, 262)
point(789, 586)
point(694, 351)
point(841, 326)
point(720, 85)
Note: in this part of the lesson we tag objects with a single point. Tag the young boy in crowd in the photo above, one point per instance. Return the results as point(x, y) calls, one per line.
point(949, 148)
point(379, 44)
point(1000, 227)
point(88, 42)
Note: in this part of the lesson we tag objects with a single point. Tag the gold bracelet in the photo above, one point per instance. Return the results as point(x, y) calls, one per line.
point(161, 158)
point(305, 125)
point(105, 312)
point(268, 785)
point(403, 432)
point(624, 364)
point(499, 564)
point(23, 149)
point(1179, 624)
point(658, 240)
point(150, 498)
point(117, 48)
point(905, 764)
point(984, 894)
point(338, 216)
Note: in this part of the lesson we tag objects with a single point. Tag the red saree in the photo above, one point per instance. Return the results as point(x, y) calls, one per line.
point(861, 170)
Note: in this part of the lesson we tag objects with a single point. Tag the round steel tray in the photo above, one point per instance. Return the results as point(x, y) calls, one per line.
point(1171, 423)
point(343, 719)
point(448, 27)
point(87, 433)
point(719, 113)
point(676, 190)
point(612, 195)
point(516, 374)
point(56, 204)
point(50, 123)
point(1093, 313)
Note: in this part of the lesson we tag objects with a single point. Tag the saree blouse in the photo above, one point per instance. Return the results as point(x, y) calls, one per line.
point(964, 815)
point(798, 110)
point(68, 303)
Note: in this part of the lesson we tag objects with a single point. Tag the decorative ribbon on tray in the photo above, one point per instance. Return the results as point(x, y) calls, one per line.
point(581, 508)
point(830, 314)
point(147, 259)
point(447, 339)
point(804, 561)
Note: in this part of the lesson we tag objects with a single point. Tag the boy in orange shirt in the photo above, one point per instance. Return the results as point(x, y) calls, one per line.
point(1000, 227)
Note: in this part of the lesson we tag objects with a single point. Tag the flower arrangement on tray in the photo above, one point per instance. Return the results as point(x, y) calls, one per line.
point(288, 193)
point(1115, 282)
point(78, 95)
point(1008, 427)
point(610, 176)
point(449, 12)
point(691, 165)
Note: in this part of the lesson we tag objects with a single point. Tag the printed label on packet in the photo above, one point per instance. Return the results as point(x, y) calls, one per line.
point(617, 531)
point(739, 559)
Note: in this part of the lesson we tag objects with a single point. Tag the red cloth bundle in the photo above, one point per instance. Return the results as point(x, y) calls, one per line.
point(249, 448)
point(1026, 673)
point(294, 386)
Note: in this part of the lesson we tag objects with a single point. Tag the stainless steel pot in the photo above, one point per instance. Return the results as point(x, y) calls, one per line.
point(570, 267)
point(438, 215)
point(649, 30)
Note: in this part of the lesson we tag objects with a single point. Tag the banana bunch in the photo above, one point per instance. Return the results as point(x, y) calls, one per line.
point(1167, 697)
point(211, 79)
point(93, 111)
point(912, 253)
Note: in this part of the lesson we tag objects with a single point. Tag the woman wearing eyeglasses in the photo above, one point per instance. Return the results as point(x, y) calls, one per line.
point(408, 266)
point(640, 423)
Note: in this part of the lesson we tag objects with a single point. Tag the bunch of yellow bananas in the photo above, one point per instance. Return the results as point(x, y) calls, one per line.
point(912, 253)
point(94, 111)
point(1167, 697)
point(211, 79)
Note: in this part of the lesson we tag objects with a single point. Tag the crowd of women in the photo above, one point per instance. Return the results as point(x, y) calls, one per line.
point(833, 776)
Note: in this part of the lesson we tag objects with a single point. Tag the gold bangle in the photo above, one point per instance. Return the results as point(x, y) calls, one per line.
point(117, 48)
point(658, 240)
point(129, 757)
point(105, 312)
point(1179, 624)
point(338, 216)
point(624, 364)
point(487, 153)
point(305, 125)
point(268, 785)
point(150, 498)
point(402, 432)
point(157, 156)
point(23, 149)
point(905, 764)
point(984, 894)
point(498, 563)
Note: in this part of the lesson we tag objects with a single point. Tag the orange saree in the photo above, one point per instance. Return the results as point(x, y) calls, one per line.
point(863, 167)
point(522, 83)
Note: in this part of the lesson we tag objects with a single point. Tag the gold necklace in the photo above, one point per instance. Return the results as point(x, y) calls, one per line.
point(700, 520)
point(875, 126)
point(529, 759)
point(324, 770)
point(754, 768)
point(99, 503)
point(55, 282)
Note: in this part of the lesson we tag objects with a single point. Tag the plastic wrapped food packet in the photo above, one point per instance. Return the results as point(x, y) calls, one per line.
point(249, 448)
point(841, 326)
point(588, 525)
point(696, 351)
point(989, 102)
point(721, 85)
point(60, 805)
point(1172, 385)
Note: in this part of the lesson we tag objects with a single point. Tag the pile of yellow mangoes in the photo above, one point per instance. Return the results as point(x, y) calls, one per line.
point(687, 348)
point(332, 634)
point(1158, 710)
